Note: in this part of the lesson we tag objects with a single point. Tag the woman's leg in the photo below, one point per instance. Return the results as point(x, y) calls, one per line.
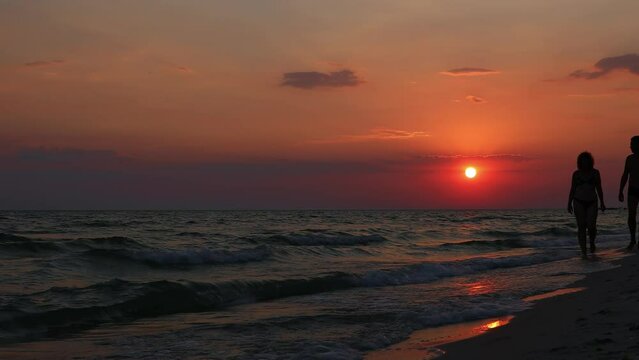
point(591, 218)
point(581, 216)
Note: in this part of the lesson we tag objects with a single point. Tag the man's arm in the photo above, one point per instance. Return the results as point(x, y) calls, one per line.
point(624, 179)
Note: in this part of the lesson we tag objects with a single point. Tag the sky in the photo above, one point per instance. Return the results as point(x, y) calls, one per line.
point(253, 104)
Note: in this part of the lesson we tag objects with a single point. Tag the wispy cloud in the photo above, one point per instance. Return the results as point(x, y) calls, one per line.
point(475, 99)
point(183, 69)
point(627, 90)
point(628, 62)
point(314, 79)
point(612, 93)
point(469, 71)
point(380, 134)
point(499, 156)
point(591, 96)
point(44, 63)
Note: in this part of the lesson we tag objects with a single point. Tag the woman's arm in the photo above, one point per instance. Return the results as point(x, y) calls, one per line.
point(600, 191)
point(571, 195)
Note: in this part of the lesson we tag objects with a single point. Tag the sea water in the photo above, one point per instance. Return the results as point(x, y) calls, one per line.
point(272, 284)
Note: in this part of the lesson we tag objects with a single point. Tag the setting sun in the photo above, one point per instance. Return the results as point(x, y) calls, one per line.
point(470, 172)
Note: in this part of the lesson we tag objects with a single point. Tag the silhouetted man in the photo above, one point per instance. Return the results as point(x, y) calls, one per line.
point(631, 170)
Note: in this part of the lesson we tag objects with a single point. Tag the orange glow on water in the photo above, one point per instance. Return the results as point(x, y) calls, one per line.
point(479, 288)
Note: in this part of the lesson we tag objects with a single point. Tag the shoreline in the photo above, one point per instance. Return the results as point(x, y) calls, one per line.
point(594, 318)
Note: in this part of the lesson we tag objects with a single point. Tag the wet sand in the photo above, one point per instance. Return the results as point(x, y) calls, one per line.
point(598, 322)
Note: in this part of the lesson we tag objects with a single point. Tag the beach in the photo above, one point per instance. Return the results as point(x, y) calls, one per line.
point(598, 322)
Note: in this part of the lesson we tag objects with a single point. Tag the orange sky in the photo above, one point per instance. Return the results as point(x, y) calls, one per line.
point(388, 97)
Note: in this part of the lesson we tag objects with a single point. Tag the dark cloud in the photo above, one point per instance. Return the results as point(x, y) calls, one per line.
point(628, 62)
point(42, 63)
point(469, 71)
point(313, 79)
point(475, 99)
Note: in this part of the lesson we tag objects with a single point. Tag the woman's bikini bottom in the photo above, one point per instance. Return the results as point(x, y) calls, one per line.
point(588, 203)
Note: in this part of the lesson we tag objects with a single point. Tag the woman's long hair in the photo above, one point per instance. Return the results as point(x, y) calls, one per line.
point(585, 161)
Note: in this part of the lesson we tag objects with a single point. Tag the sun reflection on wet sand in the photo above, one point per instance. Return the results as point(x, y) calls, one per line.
point(422, 344)
point(494, 324)
point(559, 292)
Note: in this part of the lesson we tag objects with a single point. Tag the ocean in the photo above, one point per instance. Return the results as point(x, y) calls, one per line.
point(273, 284)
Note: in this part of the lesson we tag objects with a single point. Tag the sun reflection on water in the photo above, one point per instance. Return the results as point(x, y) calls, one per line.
point(479, 287)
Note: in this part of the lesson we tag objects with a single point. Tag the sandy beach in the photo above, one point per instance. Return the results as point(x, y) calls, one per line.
point(598, 318)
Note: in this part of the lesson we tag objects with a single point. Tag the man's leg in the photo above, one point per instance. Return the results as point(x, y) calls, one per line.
point(632, 218)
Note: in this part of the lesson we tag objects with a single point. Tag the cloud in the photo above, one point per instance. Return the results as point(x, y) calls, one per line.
point(626, 90)
point(43, 63)
point(628, 62)
point(590, 96)
point(612, 93)
point(469, 71)
point(184, 69)
point(380, 134)
point(446, 157)
point(475, 99)
point(313, 79)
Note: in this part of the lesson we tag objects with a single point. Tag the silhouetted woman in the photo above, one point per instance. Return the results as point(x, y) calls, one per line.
point(586, 187)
